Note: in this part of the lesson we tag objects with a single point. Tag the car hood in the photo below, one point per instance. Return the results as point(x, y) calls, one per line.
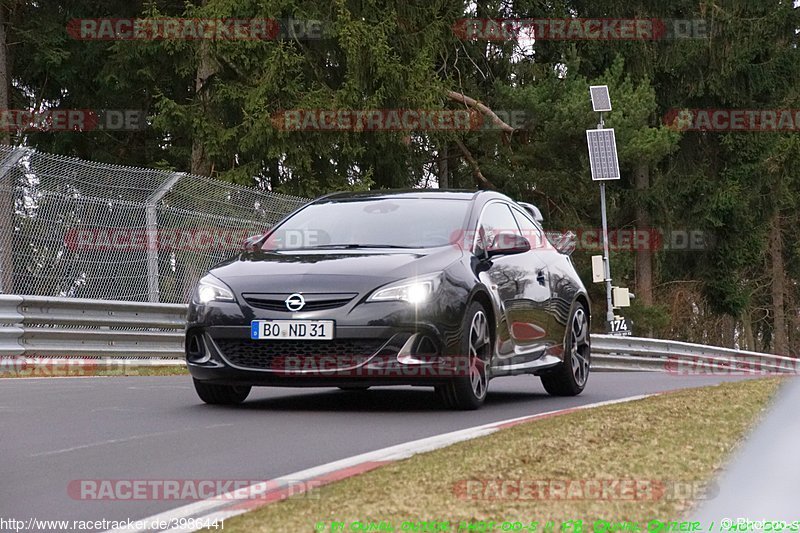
point(326, 271)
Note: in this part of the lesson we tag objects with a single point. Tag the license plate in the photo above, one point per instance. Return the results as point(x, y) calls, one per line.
point(292, 329)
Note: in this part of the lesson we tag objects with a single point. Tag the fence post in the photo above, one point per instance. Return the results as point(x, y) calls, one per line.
point(151, 220)
point(7, 187)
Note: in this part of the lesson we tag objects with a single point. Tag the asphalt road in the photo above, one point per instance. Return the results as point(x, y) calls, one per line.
point(62, 429)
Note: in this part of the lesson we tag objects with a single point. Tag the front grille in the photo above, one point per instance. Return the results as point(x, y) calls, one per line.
point(299, 354)
point(314, 302)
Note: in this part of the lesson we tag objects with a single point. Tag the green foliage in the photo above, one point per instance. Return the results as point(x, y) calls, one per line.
point(406, 55)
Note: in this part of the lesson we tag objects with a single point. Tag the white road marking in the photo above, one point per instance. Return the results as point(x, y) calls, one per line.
point(126, 439)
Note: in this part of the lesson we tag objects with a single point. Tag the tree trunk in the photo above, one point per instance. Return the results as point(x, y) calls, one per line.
point(7, 179)
point(780, 344)
point(206, 68)
point(747, 327)
point(644, 255)
point(444, 168)
point(791, 321)
point(274, 174)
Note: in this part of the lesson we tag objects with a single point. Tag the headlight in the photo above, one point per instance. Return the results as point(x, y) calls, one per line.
point(210, 289)
point(415, 290)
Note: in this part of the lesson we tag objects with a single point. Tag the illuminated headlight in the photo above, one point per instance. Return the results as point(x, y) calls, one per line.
point(415, 291)
point(210, 289)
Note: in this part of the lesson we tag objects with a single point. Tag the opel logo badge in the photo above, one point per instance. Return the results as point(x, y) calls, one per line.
point(295, 302)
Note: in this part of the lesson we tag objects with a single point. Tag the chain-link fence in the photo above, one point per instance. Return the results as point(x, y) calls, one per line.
point(82, 229)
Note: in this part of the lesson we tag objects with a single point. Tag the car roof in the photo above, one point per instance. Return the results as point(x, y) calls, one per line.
point(440, 194)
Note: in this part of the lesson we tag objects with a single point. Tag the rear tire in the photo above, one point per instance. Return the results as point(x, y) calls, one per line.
point(221, 394)
point(569, 378)
point(469, 392)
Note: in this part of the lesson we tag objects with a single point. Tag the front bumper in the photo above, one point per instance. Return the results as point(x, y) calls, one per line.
point(374, 343)
point(358, 356)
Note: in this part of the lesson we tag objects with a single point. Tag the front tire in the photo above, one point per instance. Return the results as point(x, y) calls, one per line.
point(221, 394)
point(570, 377)
point(468, 392)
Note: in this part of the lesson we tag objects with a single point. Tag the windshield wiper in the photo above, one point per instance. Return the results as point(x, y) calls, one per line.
point(340, 247)
point(353, 246)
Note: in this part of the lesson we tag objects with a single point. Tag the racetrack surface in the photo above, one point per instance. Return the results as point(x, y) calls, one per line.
point(56, 430)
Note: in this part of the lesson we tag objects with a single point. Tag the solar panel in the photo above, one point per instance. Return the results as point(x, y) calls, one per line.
point(601, 101)
point(603, 154)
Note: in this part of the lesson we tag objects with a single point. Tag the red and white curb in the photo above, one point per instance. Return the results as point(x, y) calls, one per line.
point(20, 367)
point(193, 516)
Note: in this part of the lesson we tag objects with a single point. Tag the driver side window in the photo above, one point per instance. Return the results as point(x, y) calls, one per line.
point(496, 219)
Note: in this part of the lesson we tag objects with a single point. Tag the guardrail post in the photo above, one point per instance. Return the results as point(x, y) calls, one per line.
point(151, 221)
point(11, 326)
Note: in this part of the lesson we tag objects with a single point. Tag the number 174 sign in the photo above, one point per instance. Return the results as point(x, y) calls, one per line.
point(619, 326)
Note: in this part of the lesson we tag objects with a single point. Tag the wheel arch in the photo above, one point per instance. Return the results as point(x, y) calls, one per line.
point(583, 300)
point(481, 295)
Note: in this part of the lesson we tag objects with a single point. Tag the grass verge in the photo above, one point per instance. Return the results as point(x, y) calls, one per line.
point(672, 443)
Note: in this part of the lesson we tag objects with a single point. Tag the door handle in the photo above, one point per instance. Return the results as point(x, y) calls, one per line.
point(541, 278)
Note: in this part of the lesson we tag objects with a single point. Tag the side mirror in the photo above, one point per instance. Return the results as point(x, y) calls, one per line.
point(565, 243)
point(508, 244)
point(251, 244)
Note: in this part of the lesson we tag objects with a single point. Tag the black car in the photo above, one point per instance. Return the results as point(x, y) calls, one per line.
point(425, 287)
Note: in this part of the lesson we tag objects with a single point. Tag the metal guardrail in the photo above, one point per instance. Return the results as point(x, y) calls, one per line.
point(38, 326)
point(616, 353)
point(43, 327)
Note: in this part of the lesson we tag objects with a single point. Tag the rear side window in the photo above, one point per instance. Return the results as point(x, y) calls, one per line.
point(529, 229)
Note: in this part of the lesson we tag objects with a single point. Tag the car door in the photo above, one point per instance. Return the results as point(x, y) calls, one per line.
point(520, 287)
point(538, 257)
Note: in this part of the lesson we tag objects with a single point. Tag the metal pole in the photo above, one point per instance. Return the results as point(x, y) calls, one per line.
point(606, 259)
point(151, 221)
point(606, 262)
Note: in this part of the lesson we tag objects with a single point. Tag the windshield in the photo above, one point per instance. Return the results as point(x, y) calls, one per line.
point(372, 223)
